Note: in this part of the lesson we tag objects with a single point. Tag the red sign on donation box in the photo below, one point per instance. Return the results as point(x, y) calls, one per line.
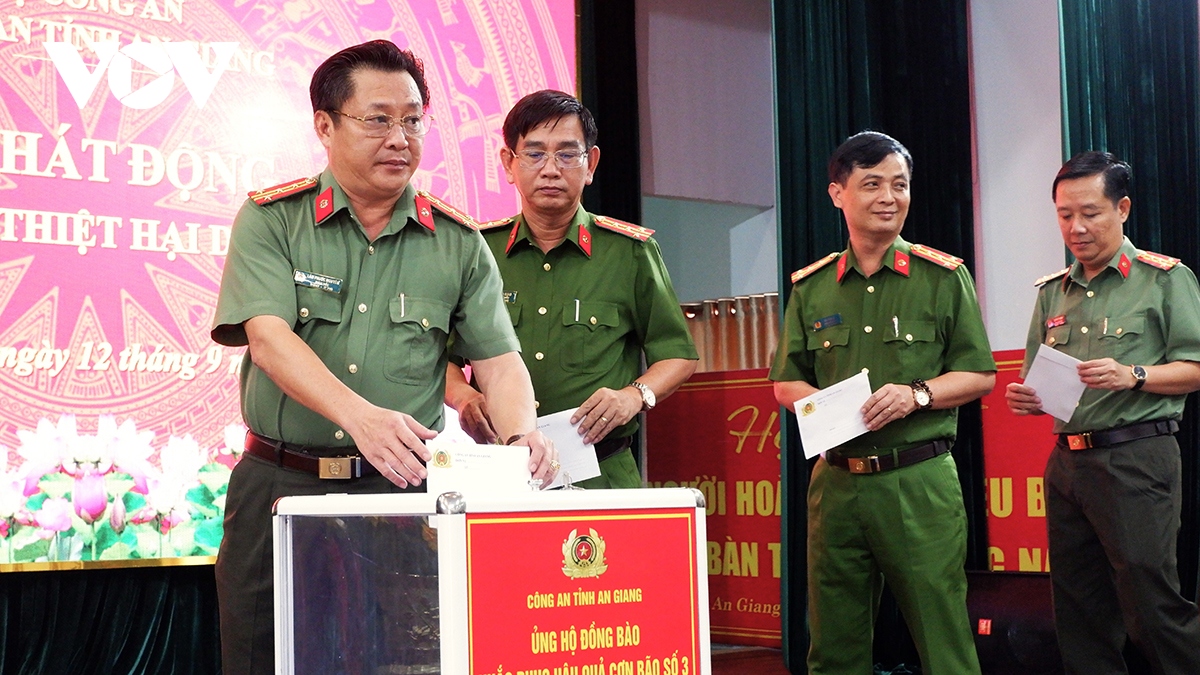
point(581, 592)
point(719, 433)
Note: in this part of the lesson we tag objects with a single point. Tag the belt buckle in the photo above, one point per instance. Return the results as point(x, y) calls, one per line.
point(336, 468)
point(1080, 441)
point(863, 464)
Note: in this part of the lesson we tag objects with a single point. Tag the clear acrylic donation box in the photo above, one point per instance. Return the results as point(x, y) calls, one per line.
point(570, 582)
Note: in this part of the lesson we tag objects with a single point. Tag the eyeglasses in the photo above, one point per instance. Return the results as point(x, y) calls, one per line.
point(565, 159)
point(378, 126)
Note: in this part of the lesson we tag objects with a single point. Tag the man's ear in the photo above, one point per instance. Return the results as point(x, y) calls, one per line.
point(323, 125)
point(835, 193)
point(506, 159)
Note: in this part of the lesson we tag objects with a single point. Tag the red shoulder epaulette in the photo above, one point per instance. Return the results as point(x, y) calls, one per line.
point(937, 257)
point(268, 195)
point(628, 229)
point(449, 211)
point(493, 224)
point(1162, 262)
point(807, 271)
point(1051, 277)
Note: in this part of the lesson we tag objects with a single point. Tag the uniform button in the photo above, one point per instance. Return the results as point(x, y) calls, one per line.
point(353, 368)
point(541, 310)
point(362, 307)
point(826, 344)
point(546, 267)
point(867, 329)
point(1051, 341)
point(539, 356)
point(303, 312)
point(1120, 330)
point(908, 336)
point(592, 321)
point(537, 404)
point(425, 323)
point(339, 434)
point(1091, 294)
point(870, 289)
point(1083, 330)
point(370, 250)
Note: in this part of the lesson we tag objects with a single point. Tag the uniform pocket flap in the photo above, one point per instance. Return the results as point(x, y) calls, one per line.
point(315, 303)
point(591, 314)
point(1132, 324)
point(910, 332)
point(424, 312)
point(836, 336)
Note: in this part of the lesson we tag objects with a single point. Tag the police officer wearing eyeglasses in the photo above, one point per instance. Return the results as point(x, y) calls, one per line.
point(1113, 480)
point(346, 287)
point(588, 295)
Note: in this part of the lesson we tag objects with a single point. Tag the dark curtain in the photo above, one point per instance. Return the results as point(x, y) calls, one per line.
point(1129, 71)
point(160, 620)
point(901, 67)
point(608, 87)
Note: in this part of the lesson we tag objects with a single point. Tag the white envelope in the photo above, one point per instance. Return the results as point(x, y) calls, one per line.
point(470, 468)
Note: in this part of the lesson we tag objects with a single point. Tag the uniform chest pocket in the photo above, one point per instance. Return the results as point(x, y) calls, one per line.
point(1059, 335)
point(829, 338)
point(591, 332)
point(915, 344)
point(1120, 338)
point(419, 328)
point(314, 304)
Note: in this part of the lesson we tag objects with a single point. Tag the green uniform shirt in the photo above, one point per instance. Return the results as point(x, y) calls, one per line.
point(1150, 317)
point(912, 319)
point(586, 311)
point(377, 313)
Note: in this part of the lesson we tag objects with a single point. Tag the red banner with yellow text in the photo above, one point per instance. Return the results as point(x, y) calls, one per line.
point(720, 434)
point(1015, 450)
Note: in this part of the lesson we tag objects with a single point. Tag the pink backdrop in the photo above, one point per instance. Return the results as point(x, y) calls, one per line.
point(130, 132)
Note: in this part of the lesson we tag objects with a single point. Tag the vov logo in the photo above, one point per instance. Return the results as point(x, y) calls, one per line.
point(165, 59)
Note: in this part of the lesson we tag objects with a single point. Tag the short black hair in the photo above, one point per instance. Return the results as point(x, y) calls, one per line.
point(543, 106)
point(1092, 163)
point(864, 150)
point(333, 84)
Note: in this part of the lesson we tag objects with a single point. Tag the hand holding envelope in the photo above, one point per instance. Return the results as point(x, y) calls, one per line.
point(1054, 376)
point(833, 415)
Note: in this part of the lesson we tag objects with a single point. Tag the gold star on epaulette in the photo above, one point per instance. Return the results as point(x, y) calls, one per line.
point(268, 195)
point(1051, 277)
point(807, 271)
point(937, 257)
point(1162, 262)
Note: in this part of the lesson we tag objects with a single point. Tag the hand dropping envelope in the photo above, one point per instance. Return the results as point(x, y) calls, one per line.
point(471, 468)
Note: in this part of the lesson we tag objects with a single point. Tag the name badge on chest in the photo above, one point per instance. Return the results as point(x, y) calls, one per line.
point(314, 280)
point(822, 324)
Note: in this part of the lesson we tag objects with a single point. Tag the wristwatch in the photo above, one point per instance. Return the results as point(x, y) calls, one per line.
point(922, 396)
point(648, 399)
point(1139, 374)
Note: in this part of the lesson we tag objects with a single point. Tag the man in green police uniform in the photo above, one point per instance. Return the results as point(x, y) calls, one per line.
point(886, 505)
point(1113, 483)
point(346, 287)
point(588, 295)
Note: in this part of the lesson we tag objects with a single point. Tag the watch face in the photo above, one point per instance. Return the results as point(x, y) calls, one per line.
point(1139, 372)
point(921, 397)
